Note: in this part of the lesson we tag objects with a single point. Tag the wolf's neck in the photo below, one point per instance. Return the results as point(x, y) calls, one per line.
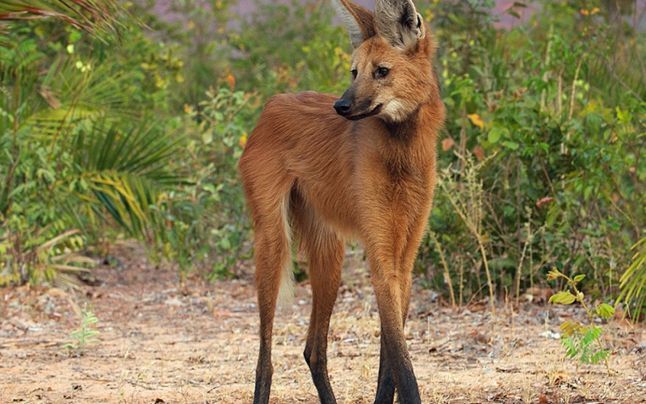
point(420, 123)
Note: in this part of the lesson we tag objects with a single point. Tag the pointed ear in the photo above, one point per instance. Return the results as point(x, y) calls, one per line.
point(358, 20)
point(398, 22)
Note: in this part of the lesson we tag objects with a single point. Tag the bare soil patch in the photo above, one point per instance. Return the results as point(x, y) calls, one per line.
point(162, 344)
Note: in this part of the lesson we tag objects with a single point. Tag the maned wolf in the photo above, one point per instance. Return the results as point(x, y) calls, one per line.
point(362, 167)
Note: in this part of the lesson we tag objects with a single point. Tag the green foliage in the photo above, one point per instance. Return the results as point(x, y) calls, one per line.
point(206, 216)
point(563, 185)
point(564, 297)
point(198, 44)
point(633, 281)
point(86, 334)
point(74, 152)
point(605, 311)
point(581, 341)
point(579, 344)
point(138, 135)
point(317, 56)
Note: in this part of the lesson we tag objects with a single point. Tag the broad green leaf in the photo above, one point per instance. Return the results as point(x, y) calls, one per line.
point(570, 328)
point(605, 311)
point(495, 134)
point(511, 145)
point(563, 298)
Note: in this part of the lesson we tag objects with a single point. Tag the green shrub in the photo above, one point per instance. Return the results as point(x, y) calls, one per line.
point(540, 159)
point(206, 219)
point(79, 153)
point(563, 185)
point(581, 341)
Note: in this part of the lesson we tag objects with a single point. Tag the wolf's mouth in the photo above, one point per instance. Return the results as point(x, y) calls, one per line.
point(374, 112)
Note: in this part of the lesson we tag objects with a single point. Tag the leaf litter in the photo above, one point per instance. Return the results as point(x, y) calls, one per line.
point(158, 342)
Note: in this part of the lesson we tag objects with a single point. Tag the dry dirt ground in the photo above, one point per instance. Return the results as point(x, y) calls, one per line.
point(160, 344)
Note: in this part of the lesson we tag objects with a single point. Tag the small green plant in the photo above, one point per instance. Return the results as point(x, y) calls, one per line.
point(581, 341)
point(86, 334)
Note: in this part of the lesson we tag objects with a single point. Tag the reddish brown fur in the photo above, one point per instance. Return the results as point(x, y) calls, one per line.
point(371, 179)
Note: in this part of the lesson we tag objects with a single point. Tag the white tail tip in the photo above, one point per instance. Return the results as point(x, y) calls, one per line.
point(286, 291)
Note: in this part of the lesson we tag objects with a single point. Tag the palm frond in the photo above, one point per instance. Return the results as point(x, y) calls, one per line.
point(633, 281)
point(125, 172)
point(144, 151)
point(65, 96)
point(53, 262)
point(94, 16)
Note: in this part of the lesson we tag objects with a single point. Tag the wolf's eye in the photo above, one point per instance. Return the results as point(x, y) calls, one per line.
point(381, 72)
point(354, 73)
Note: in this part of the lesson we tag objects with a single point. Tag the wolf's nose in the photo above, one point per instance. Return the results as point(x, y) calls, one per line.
point(342, 107)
